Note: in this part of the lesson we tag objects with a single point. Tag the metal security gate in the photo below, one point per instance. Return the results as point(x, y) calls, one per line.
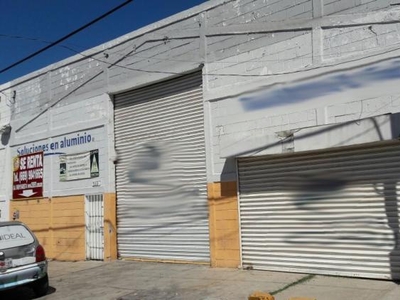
point(327, 212)
point(94, 212)
point(161, 173)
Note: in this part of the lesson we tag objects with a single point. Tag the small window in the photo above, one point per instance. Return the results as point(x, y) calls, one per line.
point(14, 236)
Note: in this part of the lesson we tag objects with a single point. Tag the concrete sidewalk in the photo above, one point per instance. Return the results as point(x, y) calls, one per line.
point(125, 280)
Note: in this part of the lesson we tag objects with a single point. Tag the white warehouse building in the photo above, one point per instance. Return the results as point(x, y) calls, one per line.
point(239, 133)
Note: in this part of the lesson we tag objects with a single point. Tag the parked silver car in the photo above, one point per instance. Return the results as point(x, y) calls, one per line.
point(22, 259)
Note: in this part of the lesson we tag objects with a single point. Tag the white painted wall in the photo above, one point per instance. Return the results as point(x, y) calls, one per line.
point(4, 209)
point(272, 68)
point(245, 47)
point(90, 118)
point(5, 164)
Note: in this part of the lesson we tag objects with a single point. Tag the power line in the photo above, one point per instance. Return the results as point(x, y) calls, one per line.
point(304, 69)
point(110, 64)
point(35, 39)
point(181, 60)
point(115, 64)
point(74, 50)
point(66, 36)
point(175, 73)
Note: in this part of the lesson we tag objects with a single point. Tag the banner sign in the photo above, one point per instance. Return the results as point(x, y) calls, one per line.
point(28, 176)
point(79, 166)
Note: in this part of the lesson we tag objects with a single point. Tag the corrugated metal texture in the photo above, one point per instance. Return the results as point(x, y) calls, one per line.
point(161, 174)
point(325, 212)
point(95, 227)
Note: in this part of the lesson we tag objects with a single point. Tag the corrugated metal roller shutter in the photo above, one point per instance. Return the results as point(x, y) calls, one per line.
point(331, 212)
point(161, 174)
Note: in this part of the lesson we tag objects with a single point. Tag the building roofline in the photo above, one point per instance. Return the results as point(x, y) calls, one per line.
point(117, 41)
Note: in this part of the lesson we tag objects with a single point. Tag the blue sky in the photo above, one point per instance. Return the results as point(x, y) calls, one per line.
point(49, 20)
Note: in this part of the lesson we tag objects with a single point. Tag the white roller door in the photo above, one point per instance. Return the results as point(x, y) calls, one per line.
point(161, 173)
point(323, 212)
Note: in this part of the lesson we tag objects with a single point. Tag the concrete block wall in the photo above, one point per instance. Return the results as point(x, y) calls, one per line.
point(90, 118)
point(29, 97)
point(248, 11)
point(241, 57)
point(224, 50)
point(170, 50)
point(240, 132)
point(5, 165)
point(58, 223)
point(224, 224)
point(37, 215)
point(298, 55)
point(354, 6)
point(85, 72)
point(4, 186)
point(233, 63)
point(144, 57)
point(363, 40)
point(69, 97)
point(259, 56)
point(254, 54)
point(110, 226)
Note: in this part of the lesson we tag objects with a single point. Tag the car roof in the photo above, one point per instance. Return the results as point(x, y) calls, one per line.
point(4, 223)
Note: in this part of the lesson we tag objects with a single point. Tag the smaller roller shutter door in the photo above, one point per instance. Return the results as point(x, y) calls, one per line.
point(324, 212)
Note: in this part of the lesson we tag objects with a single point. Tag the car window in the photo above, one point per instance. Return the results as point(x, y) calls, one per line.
point(14, 236)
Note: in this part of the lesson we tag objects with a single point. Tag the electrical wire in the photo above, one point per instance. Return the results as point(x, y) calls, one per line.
point(225, 74)
point(175, 73)
point(181, 60)
point(65, 37)
point(242, 75)
point(232, 75)
point(35, 39)
point(79, 52)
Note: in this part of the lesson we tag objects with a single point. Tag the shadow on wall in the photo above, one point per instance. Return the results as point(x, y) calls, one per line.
point(228, 171)
point(395, 127)
point(317, 201)
point(392, 214)
point(72, 243)
point(5, 135)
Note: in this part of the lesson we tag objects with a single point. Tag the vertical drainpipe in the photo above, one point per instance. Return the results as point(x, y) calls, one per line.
point(49, 167)
point(49, 132)
point(110, 185)
point(239, 220)
point(207, 128)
